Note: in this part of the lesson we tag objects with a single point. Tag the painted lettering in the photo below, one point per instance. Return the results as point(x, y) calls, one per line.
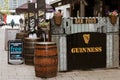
point(86, 50)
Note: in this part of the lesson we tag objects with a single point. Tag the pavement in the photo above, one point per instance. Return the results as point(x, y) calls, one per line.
point(27, 72)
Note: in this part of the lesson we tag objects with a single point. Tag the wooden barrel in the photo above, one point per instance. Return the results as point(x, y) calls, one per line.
point(28, 50)
point(21, 35)
point(46, 59)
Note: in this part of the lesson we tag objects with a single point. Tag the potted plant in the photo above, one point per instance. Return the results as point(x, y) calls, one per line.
point(113, 16)
point(58, 18)
point(44, 25)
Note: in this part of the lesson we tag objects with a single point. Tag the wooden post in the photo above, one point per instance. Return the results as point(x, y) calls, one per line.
point(112, 44)
point(31, 16)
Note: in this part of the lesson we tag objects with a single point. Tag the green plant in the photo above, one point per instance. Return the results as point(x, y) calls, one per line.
point(43, 24)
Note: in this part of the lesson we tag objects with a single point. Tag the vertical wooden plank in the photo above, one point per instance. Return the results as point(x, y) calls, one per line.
point(87, 26)
point(116, 50)
point(99, 24)
point(114, 56)
point(116, 44)
point(72, 25)
point(79, 26)
point(75, 27)
point(82, 25)
point(61, 48)
point(94, 25)
point(109, 51)
point(62, 55)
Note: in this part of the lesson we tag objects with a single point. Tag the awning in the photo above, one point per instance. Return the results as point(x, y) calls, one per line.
point(24, 8)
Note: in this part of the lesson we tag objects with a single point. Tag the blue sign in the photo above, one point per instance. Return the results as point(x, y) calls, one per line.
point(15, 49)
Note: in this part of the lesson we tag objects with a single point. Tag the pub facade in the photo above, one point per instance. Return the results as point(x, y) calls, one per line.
point(85, 36)
point(85, 19)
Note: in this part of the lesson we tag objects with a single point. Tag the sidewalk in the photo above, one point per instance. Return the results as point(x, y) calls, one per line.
point(26, 72)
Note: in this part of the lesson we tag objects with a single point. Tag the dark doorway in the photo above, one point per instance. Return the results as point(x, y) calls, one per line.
point(90, 8)
point(108, 5)
point(75, 8)
point(112, 4)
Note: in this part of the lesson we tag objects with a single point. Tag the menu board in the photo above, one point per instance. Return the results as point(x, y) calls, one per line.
point(15, 49)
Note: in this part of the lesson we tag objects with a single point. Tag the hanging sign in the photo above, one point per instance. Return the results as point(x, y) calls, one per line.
point(31, 16)
point(41, 8)
point(85, 21)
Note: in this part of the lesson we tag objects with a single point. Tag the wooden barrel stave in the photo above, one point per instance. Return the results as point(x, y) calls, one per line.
point(51, 51)
point(46, 61)
point(46, 72)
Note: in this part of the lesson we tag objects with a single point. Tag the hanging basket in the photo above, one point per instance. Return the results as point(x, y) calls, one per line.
point(57, 20)
point(113, 19)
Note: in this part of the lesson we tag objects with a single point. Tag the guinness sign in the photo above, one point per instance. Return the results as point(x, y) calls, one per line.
point(86, 50)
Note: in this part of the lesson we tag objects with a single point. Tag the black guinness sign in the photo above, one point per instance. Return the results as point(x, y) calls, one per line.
point(86, 50)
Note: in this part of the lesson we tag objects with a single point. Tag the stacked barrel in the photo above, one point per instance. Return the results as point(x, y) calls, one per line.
point(28, 50)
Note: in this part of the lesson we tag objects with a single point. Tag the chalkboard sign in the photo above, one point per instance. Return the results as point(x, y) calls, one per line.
point(15, 51)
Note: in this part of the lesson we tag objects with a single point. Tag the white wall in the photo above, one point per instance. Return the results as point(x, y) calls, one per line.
point(65, 10)
point(49, 15)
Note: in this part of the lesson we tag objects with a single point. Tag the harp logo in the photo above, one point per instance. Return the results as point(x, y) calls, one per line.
point(86, 38)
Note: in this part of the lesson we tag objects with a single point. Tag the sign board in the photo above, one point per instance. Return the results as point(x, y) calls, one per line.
point(86, 50)
point(15, 52)
point(31, 17)
point(31, 7)
point(85, 21)
point(41, 6)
